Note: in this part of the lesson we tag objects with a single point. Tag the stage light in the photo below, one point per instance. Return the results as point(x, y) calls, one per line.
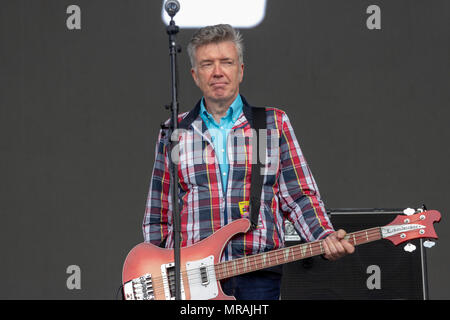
point(200, 13)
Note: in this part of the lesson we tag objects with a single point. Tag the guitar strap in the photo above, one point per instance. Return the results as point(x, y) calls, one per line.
point(257, 179)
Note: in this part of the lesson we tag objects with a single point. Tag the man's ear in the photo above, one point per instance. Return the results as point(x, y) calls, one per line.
point(242, 73)
point(194, 76)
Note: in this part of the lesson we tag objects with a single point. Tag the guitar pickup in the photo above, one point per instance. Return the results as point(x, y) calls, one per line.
point(201, 277)
point(168, 277)
point(204, 276)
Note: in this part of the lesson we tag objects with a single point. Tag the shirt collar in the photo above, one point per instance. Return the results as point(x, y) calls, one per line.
point(233, 112)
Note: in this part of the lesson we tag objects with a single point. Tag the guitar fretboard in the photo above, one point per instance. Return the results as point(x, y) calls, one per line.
point(289, 254)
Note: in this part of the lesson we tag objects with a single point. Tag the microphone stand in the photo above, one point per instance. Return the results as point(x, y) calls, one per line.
point(172, 30)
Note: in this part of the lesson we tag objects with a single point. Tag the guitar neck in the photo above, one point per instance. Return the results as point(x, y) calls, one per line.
point(289, 254)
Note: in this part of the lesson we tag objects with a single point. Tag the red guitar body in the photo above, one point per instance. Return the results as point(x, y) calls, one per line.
point(146, 258)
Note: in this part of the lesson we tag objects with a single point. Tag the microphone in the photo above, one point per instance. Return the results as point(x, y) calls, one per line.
point(172, 7)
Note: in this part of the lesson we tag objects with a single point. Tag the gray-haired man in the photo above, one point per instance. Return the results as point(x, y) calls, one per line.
point(216, 191)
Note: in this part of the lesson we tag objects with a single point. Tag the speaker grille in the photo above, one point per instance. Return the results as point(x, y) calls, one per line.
point(376, 270)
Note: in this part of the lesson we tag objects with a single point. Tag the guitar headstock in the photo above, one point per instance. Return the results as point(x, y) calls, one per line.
point(407, 227)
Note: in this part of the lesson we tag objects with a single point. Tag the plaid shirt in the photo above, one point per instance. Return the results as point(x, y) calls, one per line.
point(289, 190)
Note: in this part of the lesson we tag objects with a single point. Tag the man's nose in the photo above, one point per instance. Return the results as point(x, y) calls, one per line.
point(217, 71)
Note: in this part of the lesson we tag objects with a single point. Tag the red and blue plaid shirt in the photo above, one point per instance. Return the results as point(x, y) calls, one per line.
point(289, 190)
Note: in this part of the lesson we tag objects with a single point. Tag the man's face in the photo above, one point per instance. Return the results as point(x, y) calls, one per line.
point(218, 72)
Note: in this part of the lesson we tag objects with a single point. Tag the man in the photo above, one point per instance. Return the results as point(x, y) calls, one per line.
point(214, 189)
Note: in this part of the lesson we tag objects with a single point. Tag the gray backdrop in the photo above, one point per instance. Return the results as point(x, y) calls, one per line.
point(80, 111)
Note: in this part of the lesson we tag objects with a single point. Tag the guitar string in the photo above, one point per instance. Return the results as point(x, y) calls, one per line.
point(273, 259)
point(219, 268)
point(360, 236)
point(222, 267)
point(362, 239)
point(305, 250)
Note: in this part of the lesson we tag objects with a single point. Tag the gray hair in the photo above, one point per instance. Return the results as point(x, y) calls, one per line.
point(215, 34)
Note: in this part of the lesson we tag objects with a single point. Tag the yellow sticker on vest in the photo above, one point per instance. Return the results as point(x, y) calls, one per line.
point(243, 208)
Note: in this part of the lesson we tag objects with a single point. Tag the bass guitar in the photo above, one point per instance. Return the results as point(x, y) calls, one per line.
point(149, 272)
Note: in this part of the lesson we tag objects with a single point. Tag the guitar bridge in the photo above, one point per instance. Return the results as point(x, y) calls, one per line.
point(139, 289)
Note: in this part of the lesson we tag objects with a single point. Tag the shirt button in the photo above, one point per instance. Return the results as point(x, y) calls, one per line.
point(224, 173)
point(223, 150)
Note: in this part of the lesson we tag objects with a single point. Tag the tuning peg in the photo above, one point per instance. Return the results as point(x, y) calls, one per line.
point(429, 244)
point(409, 211)
point(409, 247)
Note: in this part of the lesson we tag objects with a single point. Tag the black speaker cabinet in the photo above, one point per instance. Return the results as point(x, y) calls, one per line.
point(376, 270)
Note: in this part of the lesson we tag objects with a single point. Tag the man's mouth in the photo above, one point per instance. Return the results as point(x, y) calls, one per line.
point(218, 84)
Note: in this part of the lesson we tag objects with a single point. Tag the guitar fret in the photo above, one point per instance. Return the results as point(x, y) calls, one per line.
point(286, 254)
point(303, 248)
point(224, 271)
